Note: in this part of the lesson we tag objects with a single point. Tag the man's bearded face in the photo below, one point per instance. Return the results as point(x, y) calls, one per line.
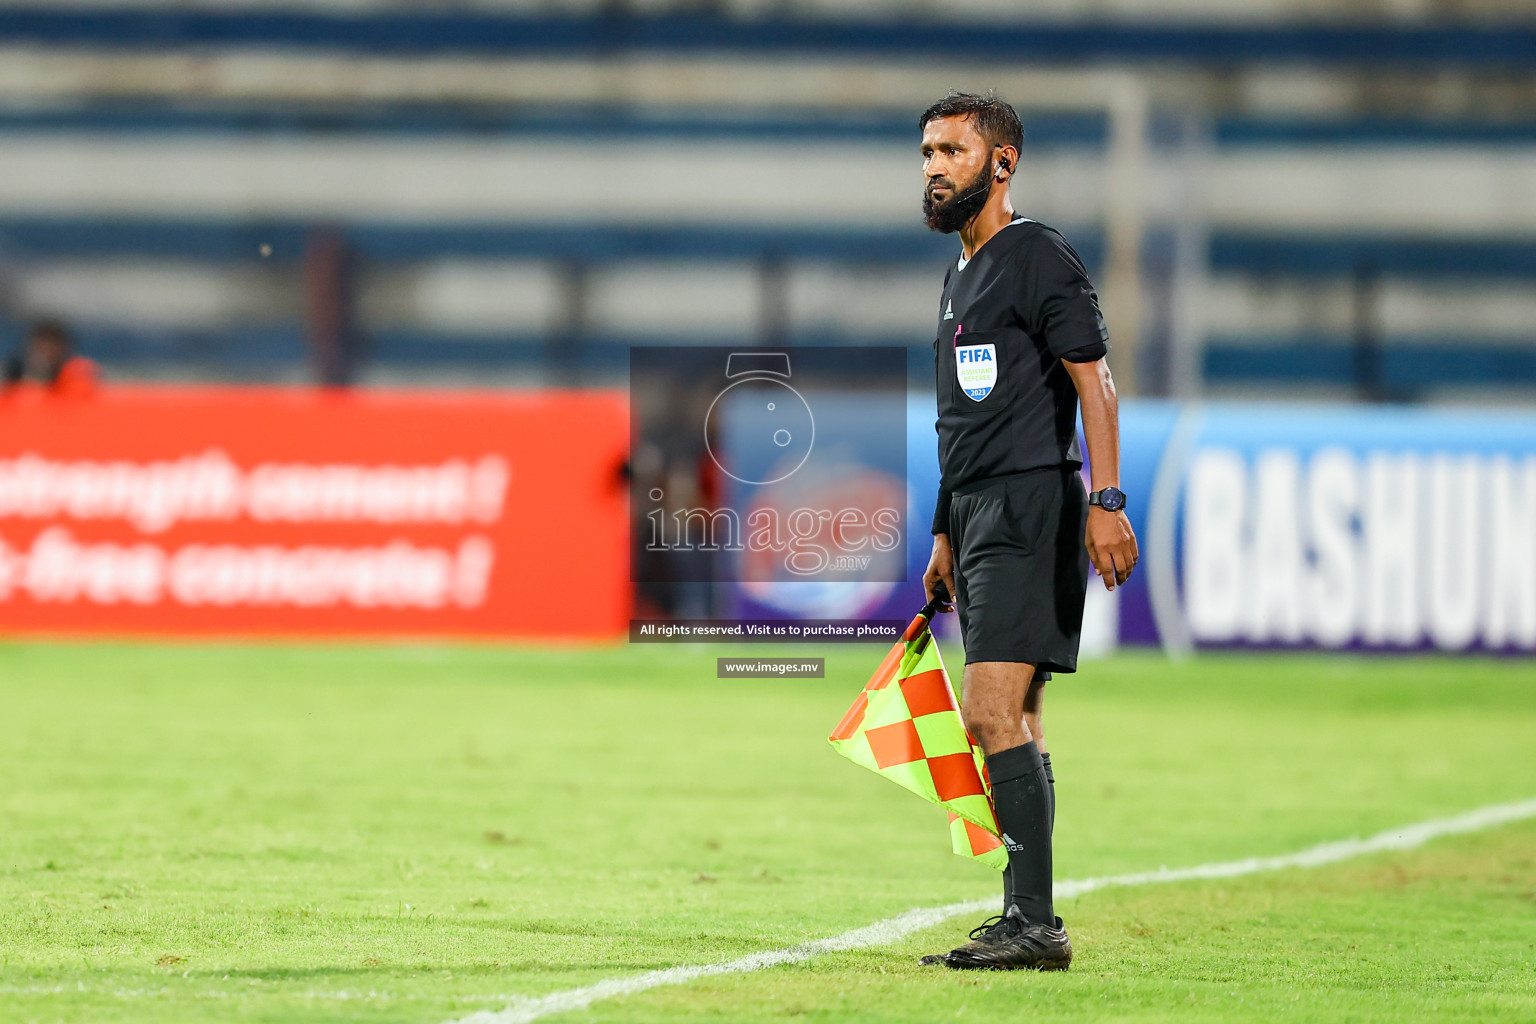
point(960, 204)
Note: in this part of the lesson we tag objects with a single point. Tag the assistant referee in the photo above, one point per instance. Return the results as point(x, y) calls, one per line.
point(1020, 342)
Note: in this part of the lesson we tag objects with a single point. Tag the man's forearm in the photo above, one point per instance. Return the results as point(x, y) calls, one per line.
point(1101, 421)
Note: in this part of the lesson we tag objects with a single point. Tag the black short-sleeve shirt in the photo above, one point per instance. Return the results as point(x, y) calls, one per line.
point(1007, 318)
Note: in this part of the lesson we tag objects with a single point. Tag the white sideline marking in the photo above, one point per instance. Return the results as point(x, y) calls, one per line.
point(881, 933)
point(166, 991)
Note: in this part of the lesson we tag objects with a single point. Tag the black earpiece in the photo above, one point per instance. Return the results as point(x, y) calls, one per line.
point(1003, 165)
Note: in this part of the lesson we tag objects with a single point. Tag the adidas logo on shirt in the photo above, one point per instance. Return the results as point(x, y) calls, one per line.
point(949, 310)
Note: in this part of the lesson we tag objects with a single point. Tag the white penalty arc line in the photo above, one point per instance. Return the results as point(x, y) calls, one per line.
point(891, 929)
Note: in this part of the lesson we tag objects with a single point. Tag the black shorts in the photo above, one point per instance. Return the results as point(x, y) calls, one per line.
point(1021, 568)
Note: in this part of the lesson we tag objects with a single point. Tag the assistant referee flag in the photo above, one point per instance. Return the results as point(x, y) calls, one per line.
point(905, 725)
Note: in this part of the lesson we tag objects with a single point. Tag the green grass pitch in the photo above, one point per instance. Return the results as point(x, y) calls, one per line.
point(293, 833)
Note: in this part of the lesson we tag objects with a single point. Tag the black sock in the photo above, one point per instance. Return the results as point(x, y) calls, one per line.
point(1050, 783)
point(1050, 786)
point(1021, 796)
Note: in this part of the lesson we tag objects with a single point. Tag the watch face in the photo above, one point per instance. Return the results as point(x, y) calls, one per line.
point(1112, 499)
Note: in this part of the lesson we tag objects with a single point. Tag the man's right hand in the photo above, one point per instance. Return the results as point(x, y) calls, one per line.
point(941, 566)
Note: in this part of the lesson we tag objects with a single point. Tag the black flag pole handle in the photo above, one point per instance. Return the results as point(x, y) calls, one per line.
point(939, 603)
point(918, 629)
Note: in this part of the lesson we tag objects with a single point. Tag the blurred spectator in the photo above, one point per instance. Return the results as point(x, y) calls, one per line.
point(48, 360)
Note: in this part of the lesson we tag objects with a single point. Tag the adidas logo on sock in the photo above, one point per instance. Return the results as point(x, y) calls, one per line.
point(1013, 847)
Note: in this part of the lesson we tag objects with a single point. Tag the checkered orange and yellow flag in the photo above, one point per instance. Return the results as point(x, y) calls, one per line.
point(905, 725)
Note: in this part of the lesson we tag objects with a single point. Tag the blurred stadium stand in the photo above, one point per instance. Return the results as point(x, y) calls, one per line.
point(1334, 197)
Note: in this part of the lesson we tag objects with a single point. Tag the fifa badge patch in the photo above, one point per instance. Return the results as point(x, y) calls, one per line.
point(976, 369)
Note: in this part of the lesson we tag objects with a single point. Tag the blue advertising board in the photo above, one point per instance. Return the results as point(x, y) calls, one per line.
point(1356, 527)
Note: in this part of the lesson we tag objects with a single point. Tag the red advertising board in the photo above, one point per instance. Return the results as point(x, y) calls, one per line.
point(229, 511)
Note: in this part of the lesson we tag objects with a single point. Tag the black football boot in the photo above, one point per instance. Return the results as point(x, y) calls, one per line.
point(1014, 944)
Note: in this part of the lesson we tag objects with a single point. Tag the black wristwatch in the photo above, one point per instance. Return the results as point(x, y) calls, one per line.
point(1110, 499)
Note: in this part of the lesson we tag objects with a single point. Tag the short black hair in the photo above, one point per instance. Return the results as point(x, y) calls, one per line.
point(996, 121)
